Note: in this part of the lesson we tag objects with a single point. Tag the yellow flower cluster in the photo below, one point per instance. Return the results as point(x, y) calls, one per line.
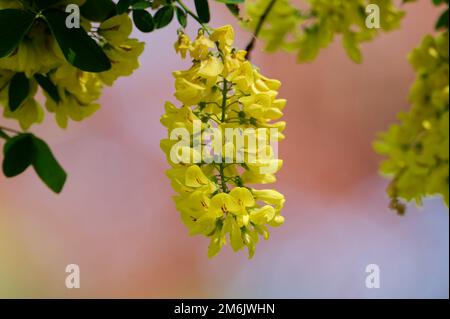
point(418, 147)
point(310, 30)
point(78, 91)
point(222, 90)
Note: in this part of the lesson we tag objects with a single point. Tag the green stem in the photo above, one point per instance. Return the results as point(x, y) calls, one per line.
point(3, 135)
point(7, 129)
point(224, 99)
point(222, 178)
point(193, 15)
point(223, 119)
point(224, 91)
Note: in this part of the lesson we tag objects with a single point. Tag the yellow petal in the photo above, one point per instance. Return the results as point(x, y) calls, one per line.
point(195, 177)
point(263, 215)
point(243, 197)
point(224, 203)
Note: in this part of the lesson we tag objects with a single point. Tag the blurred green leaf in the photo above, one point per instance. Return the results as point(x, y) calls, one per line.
point(14, 24)
point(234, 9)
point(17, 153)
point(122, 6)
point(48, 86)
point(98, 10)
point(181, 17)
point(439, 2)
point(24, 150)
point(442, 22)
point(202, 8)
point(19, 89)
point(143, 21)
point(47, 167)
point(43, 4)
point(141, 5)
point(164, 16)
point(78, 47)
point(3, 134)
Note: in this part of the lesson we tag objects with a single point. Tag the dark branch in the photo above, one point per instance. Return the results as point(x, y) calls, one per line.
point(259, 26)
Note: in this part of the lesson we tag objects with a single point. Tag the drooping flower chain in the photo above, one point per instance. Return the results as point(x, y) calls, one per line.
point(223, 91)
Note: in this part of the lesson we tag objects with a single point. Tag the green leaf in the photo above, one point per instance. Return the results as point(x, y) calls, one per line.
point(164, 16)
point(3, 134)
point(14, 24)
point(143, 21)
point(181, 17)
point(24, 150)
point(202, 8)
point(234, 9)
point(98, 10)
point(19, 89)
point(79, 49)
point(122, 6)
point(43, 4)
point(48, 86)
point(351, 47)
point(47, 167)
point(442, 22)
point(141, 5)
point(438, 2)
point(17, 155)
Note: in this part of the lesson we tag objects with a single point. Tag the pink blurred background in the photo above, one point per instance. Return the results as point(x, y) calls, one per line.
point(116, 219)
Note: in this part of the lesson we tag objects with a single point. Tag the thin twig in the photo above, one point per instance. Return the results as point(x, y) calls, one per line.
point(193, 15)
point(251, 44)
point(7, 129)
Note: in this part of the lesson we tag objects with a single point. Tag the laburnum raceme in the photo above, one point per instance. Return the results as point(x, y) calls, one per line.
point(308, 30)
point(222, 90)
point(418, 147)
point(71, 93)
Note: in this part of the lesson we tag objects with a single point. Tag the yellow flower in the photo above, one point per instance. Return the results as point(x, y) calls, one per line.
point(84, 85)
point(70, 108)
point(243, 76)
point(29, 112)
point(233, 61)
point(183, 45)
point(232, 227)
point(244, 198)
point(217, 241)
point(34, 54)
point(222, 204)
point(195, 177)
point(117, 29)
point(210, 67)
point(262, 215)
point(224, 36)
point(124, 59)
point(188, 93)
point(175, 117)
point(39, 53)
point(269, 196)
point(224, 91)
point(201, 47)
